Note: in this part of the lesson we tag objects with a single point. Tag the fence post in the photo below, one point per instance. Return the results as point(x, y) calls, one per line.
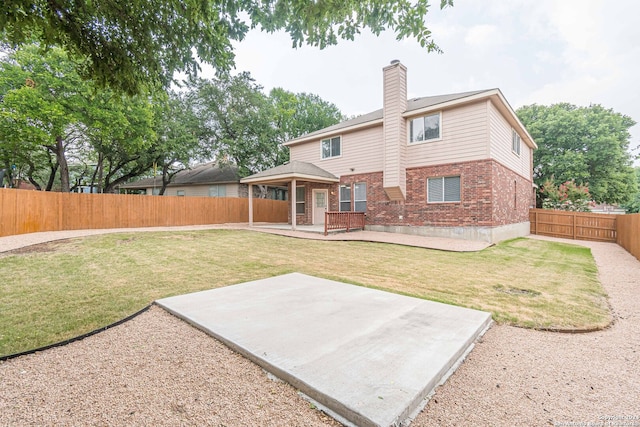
point(574, 225)
point(326, 222)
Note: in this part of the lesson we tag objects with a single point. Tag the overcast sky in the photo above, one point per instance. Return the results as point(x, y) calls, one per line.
point(535, 51)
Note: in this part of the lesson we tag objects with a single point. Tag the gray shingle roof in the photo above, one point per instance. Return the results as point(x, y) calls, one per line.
point(207, 173)
point(412, 105)
point(294, 168)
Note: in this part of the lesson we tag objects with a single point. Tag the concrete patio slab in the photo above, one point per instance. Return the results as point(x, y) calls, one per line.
point(369, 356)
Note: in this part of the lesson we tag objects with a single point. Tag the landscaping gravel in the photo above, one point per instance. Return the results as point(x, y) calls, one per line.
point(158, 370)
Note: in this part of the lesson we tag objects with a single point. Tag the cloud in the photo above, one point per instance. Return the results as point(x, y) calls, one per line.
point(483, 36)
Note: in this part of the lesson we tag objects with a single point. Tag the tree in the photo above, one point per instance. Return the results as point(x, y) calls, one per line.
point(298, 114)
point(38, 109)
point(247, 128)
point(179, 133)
point(130, 44)
point(54, 125)
point(588, 145)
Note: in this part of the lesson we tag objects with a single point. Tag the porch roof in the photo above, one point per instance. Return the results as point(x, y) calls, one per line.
point(295, 169)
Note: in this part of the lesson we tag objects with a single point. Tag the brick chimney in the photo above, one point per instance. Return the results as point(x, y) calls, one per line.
point(394, 130)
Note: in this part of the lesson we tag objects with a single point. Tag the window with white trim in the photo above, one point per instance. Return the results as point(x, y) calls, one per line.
point(219, 190)
point(515, 142)
point(360, 197)
point(443, 189)
point(345, 198)
point(425, 128)
point(300, 200)
point(180, 193)
point(155, 191)
point(331, 147)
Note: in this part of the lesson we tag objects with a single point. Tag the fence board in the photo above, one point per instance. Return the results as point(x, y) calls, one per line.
point(629, 233)
point(23, 211)
point(574, 225)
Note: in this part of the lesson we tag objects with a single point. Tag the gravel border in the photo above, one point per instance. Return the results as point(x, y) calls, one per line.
point(158, 370)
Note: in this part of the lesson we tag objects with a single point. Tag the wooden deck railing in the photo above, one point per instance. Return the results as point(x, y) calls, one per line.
point(343, 221)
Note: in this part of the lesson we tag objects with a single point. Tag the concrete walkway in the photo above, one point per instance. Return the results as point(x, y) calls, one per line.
point(9, 243)
point(370, 357)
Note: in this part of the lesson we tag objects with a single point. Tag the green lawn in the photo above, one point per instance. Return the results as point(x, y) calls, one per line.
point(72, 287)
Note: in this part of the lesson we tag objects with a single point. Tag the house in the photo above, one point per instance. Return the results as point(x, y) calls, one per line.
point(204, 180)
point(457, 165)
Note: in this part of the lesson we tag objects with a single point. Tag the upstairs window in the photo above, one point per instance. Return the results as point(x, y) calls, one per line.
point(443, 189)
point(425, 128)
point(345, 198)
point(331, 147)
point(515, 142)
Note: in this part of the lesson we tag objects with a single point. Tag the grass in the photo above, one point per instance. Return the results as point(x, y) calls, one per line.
point(72, 287)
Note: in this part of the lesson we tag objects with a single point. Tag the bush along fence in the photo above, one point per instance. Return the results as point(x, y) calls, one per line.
point(23, 211)
point(621, 229)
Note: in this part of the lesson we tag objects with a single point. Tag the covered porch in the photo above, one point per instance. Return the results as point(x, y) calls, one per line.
point(312, 192)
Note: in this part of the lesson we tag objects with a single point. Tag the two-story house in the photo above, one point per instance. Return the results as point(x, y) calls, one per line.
point(456, 165)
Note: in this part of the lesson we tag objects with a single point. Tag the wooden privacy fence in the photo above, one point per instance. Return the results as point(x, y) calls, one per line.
point(23, 211)
point(343, 221)
point(629, 233)
point(573, 225)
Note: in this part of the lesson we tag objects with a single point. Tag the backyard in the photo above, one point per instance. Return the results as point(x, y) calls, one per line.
point(59, 290)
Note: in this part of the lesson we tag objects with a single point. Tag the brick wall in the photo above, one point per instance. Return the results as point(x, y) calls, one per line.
point(511, 195)
point(491, 195)
point(307, 217)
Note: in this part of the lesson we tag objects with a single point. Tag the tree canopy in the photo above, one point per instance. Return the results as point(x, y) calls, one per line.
point(587, 145)
point(60, 132)
point(130, 44)
point(245, 127)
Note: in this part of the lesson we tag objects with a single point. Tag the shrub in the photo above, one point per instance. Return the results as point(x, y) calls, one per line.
point(568, 196)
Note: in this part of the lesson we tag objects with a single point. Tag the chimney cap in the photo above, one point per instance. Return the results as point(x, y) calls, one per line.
point(395, 61)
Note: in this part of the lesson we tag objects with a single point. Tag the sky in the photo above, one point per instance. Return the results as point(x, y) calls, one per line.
point(535, 51)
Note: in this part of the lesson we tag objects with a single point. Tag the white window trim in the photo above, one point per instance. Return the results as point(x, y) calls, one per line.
point(514, 132)
point(443, 177)
point(410, 119)
point(304, 200)
point(340, 201)
point(361, 200)
point(330, 138)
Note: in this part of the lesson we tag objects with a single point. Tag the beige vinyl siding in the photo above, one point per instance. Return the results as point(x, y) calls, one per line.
point(197, 190)
point(361, 150)
point(394, 130)
point(464, 138)
point(500, 146)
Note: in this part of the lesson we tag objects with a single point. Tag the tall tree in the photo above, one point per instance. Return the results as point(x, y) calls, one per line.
point(129, 44)
point(589, 145)
point(39, 98)
point(247, 128)
point(237, 116)
point(178, 136)
point(297, 114)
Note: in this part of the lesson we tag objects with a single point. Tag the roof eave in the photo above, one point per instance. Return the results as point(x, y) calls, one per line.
point(288, 177)
point(317, 136)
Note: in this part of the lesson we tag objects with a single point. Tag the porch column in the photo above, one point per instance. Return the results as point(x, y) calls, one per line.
point(293, 204)
point(250, 205)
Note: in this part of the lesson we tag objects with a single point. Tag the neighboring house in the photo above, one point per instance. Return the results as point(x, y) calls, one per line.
point(456, 165)
point(604, 208)
point(205, 180)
